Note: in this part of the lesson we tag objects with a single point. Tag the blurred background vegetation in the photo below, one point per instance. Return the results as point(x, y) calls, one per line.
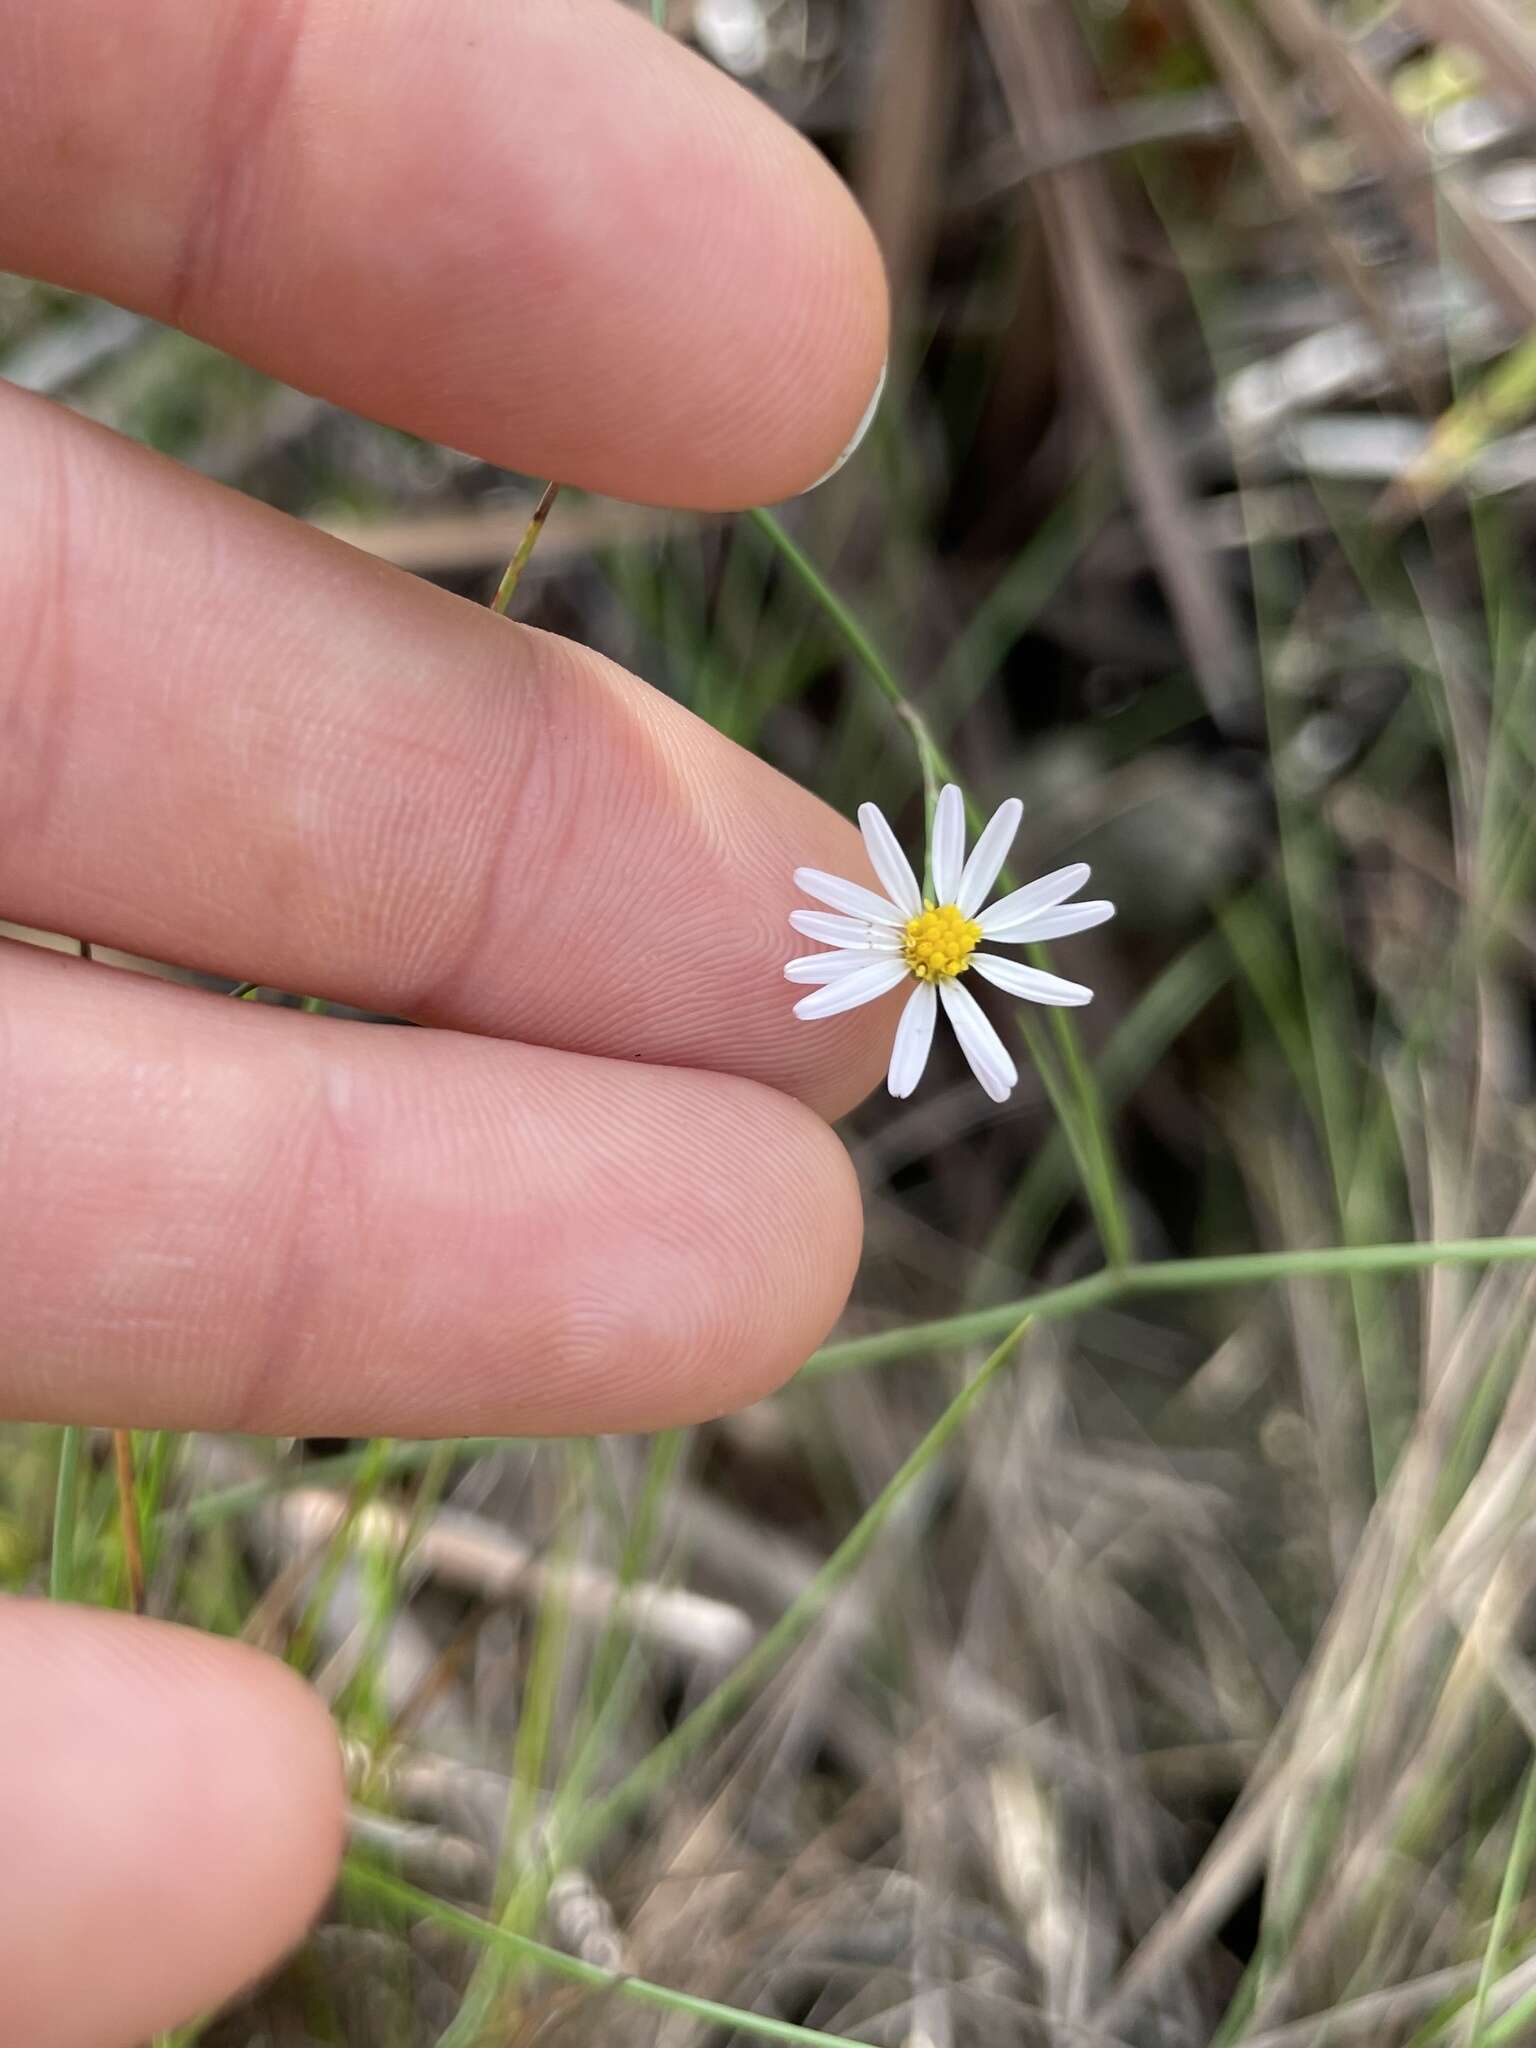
point(1174, 1686)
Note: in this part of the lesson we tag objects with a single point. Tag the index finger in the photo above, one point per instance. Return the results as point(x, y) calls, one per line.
point(546, 234)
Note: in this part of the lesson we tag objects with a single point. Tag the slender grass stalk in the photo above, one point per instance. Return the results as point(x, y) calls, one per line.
point(1511, 1891)
point(1165, 1007)
point(128, 1517)
point(1032, 579)
point(232, 1501)
point(301, 1647)
point(156, 1461)
point(1100, 1171)
point(604, 1696)
point(359, 1697)
point(1168, 1276)
point(183, 2037)
point(942, 1333)
point(525, 547)
point(378, 1887)
point(66, 1515)
point(523, 1879)
point(606, 1693)
point(1339, 1106)
point(539, 1698)
point(1514, 2026)
point(736, 1691)
point(930, 755)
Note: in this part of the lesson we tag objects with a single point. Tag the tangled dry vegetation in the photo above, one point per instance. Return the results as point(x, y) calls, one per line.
point(1179, 1691)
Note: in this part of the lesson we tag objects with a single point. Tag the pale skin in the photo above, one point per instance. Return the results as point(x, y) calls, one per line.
point(598, 1191)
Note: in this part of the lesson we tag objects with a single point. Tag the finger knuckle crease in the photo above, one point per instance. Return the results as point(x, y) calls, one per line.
point(249, 87)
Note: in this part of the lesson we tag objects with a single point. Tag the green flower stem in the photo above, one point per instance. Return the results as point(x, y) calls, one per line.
point(930, 755)
point(1073, 1093)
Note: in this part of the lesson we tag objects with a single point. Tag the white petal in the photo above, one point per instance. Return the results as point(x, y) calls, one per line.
point(998, 919)
point(831, 930)
point(914, 1035)
point(888, 860)
point(848, 896)
point(988, 855)
point(1030, 982)
point(825, 966)
point(850, 990)
point(985, 1052)
point(946, 854)
point(1060, 923)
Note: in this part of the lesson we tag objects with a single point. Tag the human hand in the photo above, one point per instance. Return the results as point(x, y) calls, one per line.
point(597, 1193)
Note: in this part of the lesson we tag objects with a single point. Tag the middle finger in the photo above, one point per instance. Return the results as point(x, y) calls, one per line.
point(241, 746)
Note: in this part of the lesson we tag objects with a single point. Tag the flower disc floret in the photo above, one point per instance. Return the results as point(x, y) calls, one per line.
point(938, 943)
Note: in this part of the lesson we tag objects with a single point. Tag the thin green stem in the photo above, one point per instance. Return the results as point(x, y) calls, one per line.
point(507, 587)
point(735, 1692)
point(66, 1514)
point(1167, 1276)
point(539, 1700)
point(1513, 2027)
point(367, 1882)
point(523, 1879)
point(1097, 1150)
point(1005, 614)
point(232, 1501)
point(528, 1877)
point(930, 755)
point(606, 1693)
point(1511, 1891)
point(944, 1333)
point(128, 1518)
point(1139, 1040)
point(384, 1574)
point(301, 1648)
point(1073, 1094)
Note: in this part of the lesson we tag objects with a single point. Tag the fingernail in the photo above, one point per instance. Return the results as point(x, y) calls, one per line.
point(859, 431)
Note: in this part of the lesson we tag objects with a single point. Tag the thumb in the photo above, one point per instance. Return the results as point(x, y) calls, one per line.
point(173, 1818)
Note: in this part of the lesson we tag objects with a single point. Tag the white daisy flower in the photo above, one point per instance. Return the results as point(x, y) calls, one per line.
point(881, 941)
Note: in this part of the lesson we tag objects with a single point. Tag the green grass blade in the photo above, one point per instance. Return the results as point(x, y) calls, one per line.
point(66, 1515)
point(737, 1690)
point(1167, 1276)
point(366, 1882)
point(1511, 1890)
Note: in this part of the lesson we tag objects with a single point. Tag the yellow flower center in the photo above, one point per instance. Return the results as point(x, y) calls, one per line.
point(939, 944)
